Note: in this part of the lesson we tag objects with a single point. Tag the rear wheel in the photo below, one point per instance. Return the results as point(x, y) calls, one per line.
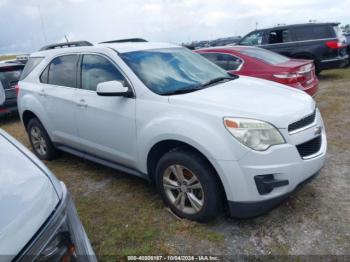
point(188, 185)
point(40, 141)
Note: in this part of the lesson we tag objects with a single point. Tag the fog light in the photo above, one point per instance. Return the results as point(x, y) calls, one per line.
point(266, 183)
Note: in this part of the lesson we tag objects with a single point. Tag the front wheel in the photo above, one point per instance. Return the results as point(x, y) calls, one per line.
point(188, 185)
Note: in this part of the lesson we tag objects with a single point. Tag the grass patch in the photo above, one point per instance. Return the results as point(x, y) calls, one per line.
point(7, 57)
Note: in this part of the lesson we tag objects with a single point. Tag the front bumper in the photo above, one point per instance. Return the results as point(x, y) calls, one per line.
point(253, 209)
point(64, 214)
point(283, 162)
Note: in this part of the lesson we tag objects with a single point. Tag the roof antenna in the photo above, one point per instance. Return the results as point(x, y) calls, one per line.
point(42, 24)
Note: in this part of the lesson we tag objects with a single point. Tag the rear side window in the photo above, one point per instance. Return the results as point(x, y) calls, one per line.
point(96, 69)
point(30, 65)
point(254, 38)
point(278, 36)
point(225, 61)
point(313, 32)
point(63, 71)
point(265, 55)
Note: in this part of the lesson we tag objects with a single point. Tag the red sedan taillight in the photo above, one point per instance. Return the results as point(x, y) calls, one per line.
point(289, 78)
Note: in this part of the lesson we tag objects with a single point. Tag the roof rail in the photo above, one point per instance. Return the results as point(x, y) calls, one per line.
point(66, 44)
point(125, 40)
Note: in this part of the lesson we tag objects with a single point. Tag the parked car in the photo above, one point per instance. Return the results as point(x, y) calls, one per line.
point(168, 115)
point(38, 219)
point(9, 76)
point(262, 63)
point(321, 42)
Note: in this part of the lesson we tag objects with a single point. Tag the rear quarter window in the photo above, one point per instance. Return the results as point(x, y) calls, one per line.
point(30, 65)
point(313, 32)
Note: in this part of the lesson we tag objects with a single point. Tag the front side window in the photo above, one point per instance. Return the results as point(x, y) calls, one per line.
point(255, 38)
point(96, 69)
point(168, 70)
point(225, 61)
point(265, 55)
point(63, 71)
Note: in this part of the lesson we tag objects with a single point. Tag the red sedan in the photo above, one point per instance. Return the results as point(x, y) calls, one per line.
point(261, 63)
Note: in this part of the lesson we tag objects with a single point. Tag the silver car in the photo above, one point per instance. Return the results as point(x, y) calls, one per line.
point(38, 219)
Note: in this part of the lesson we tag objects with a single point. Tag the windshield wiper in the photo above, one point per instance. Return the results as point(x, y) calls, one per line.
point(217, 80)
point(181, 91)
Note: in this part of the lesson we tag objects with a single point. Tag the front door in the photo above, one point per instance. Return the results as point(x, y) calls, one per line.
point(106, 124)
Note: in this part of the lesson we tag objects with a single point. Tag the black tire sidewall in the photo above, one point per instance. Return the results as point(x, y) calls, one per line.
point(51, 151)
point(204, 173)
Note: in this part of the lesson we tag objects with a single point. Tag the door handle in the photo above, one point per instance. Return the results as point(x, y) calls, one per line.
point(82, 103)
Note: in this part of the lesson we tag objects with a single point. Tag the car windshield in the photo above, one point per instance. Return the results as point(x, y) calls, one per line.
point(173, 70)
point(265, 55)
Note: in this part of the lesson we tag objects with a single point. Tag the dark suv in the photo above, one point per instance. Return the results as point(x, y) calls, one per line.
point(9, 75)
point(321, 42)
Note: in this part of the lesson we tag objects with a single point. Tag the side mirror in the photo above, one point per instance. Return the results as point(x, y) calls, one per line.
point(112, 88)
point(2, 95)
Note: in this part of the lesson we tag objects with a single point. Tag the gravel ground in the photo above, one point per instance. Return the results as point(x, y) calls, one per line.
point(123, 215)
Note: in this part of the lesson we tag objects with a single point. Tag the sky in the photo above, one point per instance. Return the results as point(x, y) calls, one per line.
point(27, 25)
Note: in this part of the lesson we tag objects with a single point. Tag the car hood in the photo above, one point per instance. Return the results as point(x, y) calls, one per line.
point(250, 98)
point(27, 197)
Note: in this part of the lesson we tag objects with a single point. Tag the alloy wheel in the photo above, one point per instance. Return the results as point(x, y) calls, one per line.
point(183, 189)
point(38, 141)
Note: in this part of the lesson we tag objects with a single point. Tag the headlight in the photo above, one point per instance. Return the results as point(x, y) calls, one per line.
point(255, 134)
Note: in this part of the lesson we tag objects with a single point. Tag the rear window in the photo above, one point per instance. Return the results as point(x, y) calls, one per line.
point(10, 77)
point(30, 65)
point(313, 32)
point(225, 61)
point(265, 55)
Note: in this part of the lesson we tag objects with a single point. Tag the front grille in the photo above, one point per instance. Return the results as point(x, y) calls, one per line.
point(310, 147)
point(302, 122)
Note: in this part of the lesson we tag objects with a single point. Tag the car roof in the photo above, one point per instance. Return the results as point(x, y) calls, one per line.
point(297, 25)
point(119, 47)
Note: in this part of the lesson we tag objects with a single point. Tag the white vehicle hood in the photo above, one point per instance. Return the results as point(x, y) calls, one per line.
point(251, 98)
point(27, 198)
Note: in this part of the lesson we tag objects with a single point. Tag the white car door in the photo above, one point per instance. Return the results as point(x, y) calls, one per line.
point(58, 95)
point(106, 124)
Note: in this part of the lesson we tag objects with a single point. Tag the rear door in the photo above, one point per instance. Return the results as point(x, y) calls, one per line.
point(58, 95)
point(106, 124)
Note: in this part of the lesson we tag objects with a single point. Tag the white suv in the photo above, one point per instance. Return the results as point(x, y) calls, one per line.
point(164, 113)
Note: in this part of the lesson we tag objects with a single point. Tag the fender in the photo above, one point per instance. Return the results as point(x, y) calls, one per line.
point(28, 102)
point(193, 131)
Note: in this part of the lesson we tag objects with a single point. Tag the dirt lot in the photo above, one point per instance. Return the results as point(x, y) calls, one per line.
point(124, 215)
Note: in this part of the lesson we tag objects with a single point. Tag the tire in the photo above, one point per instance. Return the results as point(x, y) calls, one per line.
point(198, 195)
point(40, 140)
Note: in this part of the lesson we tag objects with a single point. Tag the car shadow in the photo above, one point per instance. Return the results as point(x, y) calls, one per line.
point(8, 119)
